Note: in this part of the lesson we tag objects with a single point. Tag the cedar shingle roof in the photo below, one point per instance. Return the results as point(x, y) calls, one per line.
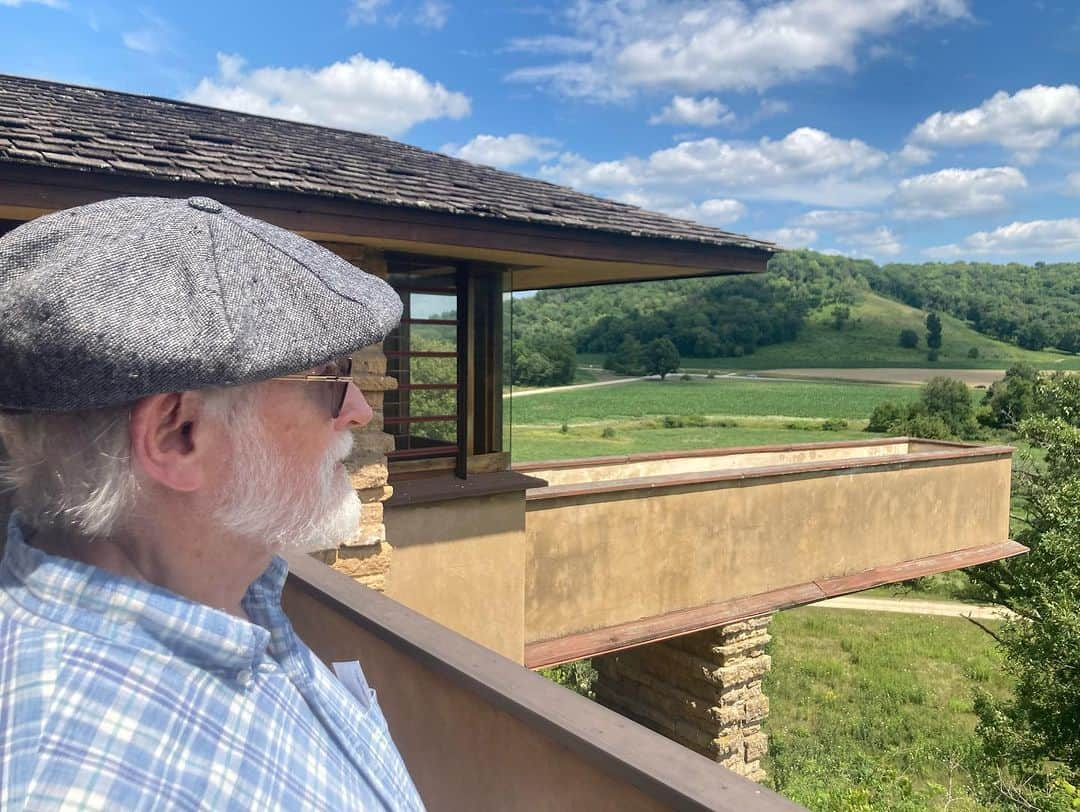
point(71, 127)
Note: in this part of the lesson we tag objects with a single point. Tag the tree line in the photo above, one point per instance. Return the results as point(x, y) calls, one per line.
point(1032, 306)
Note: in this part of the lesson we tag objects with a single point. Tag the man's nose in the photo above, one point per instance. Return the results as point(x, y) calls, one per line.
point(355, 411)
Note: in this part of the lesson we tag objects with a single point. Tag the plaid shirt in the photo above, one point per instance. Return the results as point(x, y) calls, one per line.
point(115, 694)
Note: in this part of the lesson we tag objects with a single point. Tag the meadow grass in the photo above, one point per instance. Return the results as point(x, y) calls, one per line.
point(871, 339)
point(870, 710)
point(719, 397)
point(535, 443)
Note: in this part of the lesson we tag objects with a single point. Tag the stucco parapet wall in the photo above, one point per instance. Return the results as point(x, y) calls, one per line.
point(957, 455)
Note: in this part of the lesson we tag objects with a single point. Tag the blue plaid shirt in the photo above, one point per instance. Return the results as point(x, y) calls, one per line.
point(116, 694)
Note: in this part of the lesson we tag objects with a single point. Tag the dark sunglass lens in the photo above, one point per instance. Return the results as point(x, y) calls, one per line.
point(341, 390)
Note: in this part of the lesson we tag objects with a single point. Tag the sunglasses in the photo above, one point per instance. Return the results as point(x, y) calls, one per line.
point(336, 374)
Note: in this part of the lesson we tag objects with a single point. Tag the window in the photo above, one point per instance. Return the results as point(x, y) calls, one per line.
point(445, 356)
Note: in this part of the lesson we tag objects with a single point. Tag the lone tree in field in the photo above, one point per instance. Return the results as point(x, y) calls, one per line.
point(933, 332)
point(661, 357)
point(909, 339)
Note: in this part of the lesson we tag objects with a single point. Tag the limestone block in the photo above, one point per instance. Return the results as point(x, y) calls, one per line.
point(380, 494)
point(368, 565)
point(371, 513)
point(369, 382)
point(369, 361)
point(757, 745)
point(369, 476)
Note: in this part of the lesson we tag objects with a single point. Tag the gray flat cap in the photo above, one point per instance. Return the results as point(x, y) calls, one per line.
point(105, 303)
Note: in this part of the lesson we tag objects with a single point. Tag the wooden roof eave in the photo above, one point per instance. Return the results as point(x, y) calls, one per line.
point(541, 255)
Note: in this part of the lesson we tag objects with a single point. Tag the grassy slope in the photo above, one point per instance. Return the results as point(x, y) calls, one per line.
point(704, 397)
point(872, 710)
point(871, 340)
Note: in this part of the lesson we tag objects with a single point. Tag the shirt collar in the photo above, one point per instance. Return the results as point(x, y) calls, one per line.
point(102, 603)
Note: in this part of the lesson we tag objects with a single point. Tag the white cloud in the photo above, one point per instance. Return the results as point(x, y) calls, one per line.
point(877, 243)
point(714, 212)
point(432, 14)
point(835, 219)
point(503, 150)
point(956, 192)
point(357, 94)
point(913, 155)
point(807, 165)
point(49, 3)
point(1026, 122)
point(1072, 183)
point(550, 44)
point(365, 11)
point(705, 112)
point(705, 45)
point(1032, 238)
point(791, 237)
point(144, 40)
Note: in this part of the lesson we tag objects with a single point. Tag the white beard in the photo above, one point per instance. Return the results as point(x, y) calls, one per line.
point(269, 500)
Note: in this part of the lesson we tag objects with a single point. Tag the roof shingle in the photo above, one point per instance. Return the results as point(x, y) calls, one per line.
point(73, 127)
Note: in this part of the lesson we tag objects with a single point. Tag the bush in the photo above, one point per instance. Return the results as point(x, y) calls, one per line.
point(944, 411)
point(1012, 398)
point(885, 416)
point(932, 355)
point(973, 352)
point(834, 424)
point(909, 339)
point(608, 433)
point(564, 428)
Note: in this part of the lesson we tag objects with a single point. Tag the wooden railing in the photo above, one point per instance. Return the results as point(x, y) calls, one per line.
point(480, 732)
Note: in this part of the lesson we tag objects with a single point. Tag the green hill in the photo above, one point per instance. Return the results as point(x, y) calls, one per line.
point(870, 339)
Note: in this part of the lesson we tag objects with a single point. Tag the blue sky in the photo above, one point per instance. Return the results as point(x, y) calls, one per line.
point(901, 130)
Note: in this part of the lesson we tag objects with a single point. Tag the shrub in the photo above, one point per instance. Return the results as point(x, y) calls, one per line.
point(932, 355)
point(564, 428)
point(608, 433)
point(885, 416)
point(834, 424)
point(909, 339)
point(973, 352)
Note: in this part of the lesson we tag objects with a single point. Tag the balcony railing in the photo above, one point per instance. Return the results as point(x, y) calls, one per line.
point(480, 732)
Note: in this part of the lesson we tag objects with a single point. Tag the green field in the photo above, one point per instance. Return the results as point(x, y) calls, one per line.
point(720, 397)
point(532, 444)
point(871, 340)
point(873, 711)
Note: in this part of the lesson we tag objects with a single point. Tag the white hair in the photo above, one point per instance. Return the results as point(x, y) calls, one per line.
point(73, 470)
point(270, 499)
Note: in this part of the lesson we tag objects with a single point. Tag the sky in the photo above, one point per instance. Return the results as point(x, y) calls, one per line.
point(898, 130)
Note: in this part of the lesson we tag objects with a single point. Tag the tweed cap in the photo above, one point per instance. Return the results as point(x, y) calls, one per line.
point(105, 303)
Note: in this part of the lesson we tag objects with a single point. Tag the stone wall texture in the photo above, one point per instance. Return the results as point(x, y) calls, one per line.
point(702, 690)
point(367, 558)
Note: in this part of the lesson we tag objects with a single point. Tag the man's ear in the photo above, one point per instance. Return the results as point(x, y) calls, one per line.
point(172, 439)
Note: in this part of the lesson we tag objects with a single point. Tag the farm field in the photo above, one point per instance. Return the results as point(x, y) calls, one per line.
point(536, 443)
point(870, 710)
point(870, 339)
point(715, 398)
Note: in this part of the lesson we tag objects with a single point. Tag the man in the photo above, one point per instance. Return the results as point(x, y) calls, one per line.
point(176, 407)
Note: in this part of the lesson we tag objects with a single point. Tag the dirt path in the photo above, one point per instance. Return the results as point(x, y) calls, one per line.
point(544, 389)
point(972, 377)
point(915, 607)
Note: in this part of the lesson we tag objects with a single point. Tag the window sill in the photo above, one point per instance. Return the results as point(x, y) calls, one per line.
point(411, 492)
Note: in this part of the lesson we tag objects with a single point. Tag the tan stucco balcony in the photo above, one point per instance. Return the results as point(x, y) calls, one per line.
point(629, 550)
